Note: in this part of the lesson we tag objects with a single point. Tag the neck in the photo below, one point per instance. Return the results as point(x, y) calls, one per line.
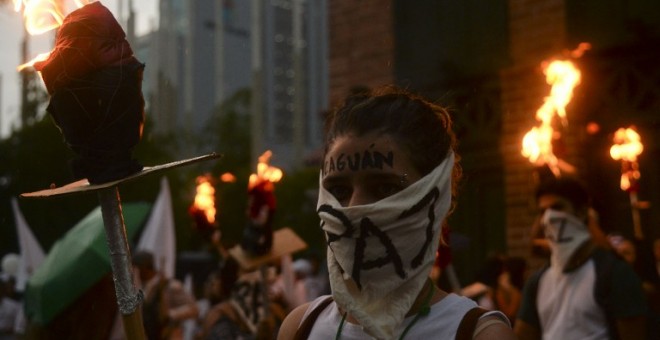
point(420, 301)
point(423, 298)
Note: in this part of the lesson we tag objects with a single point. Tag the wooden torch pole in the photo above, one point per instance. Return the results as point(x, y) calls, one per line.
point(129, 299)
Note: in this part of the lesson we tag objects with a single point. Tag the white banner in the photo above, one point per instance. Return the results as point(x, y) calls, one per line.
point(32, 255)
point(158, 236)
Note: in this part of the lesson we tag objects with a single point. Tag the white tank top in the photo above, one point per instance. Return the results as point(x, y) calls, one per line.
point(441, 323)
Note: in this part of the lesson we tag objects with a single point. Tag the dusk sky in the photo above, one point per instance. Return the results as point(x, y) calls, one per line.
point(11, 34)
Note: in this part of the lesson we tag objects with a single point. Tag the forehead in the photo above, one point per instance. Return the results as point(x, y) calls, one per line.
point(351, 142)
point(371, 152)
point(554, 201)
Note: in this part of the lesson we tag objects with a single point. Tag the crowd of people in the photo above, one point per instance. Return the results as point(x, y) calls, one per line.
point(383, 206)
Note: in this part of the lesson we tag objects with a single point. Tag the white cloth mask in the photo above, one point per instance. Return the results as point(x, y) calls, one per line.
point(565, 234)
point(380, 254)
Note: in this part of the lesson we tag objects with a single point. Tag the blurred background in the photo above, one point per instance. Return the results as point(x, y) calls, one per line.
point(241, 77)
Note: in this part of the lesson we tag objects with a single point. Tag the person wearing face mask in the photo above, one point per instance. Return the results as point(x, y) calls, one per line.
point(586, 291)
point(386, 186)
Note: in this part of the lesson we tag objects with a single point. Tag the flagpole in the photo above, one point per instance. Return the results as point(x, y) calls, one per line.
point(129, 299)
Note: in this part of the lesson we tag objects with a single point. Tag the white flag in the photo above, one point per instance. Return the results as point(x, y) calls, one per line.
point(32, 255)
point(158, 236)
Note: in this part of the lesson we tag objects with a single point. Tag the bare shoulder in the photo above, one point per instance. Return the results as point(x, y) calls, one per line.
point(493, 327)
point(291, 322)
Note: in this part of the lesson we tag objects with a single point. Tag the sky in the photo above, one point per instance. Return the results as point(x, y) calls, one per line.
point(11, 34)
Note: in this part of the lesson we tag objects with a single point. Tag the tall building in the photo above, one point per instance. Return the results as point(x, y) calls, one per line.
point(205, 51)
point(203, 57)
point(290, 84)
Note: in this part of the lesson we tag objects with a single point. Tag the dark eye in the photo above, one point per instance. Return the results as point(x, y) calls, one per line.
point(558, 207)
point(555, 206)
point(341, 192)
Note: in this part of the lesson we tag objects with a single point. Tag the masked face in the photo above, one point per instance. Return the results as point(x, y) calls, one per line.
point(382, 231)
point(565, 234)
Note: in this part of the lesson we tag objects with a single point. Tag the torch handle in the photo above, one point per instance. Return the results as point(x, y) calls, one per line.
point(637, 221)
point(263, 270)
point(128, 298)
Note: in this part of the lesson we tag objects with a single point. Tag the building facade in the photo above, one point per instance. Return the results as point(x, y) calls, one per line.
point(483, 61)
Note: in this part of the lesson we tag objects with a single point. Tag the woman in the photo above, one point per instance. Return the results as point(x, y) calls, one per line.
point(385, 188)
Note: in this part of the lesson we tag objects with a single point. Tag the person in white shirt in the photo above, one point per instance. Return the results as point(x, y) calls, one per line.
point(9, 311)
point(385, 189)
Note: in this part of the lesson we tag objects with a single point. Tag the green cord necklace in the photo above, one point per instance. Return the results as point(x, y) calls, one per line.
point(423, 311)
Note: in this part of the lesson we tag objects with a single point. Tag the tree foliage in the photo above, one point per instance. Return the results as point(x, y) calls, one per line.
point(36, 155)
point(228, 132)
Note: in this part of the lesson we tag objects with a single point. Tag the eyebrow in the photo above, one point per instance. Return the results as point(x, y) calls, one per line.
point(370, 175)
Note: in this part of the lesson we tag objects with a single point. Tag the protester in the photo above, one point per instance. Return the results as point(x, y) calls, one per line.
point(316, 283)
point(222, 321)
point(508, 291)
point(541, 245)
point(483, 289)
point(586, 292)
point(9, 310)
point(638, 253)
point(655, 296)
point(499, 284)
point(289, 286)
point(386, 187)
point(624, 247)
point(656, 254)
point(166, 303)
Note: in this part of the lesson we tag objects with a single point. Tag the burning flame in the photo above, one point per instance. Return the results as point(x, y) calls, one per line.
point(265, 172)
point(205, 198)
point(563, 77)
point(627, 146)
point(228, 177)
point(41, 16)
point(38, 58)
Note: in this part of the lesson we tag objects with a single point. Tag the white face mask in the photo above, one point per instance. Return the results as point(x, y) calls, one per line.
point(565, 233)
point(380, 254)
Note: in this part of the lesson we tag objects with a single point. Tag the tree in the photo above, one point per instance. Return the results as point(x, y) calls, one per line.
point(35, 156)
point(228, 132)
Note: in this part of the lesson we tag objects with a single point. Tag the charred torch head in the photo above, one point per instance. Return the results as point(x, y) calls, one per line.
point(95, 84)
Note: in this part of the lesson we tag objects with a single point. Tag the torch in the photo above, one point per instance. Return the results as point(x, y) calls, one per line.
point(203, 208)
point(96, 101)
point(563, 76)
point(258, 234)
point(203, 212)
point(627, 146)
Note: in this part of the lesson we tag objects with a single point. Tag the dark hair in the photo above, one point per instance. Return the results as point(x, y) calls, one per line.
point(423, 129)
point(569, 188)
